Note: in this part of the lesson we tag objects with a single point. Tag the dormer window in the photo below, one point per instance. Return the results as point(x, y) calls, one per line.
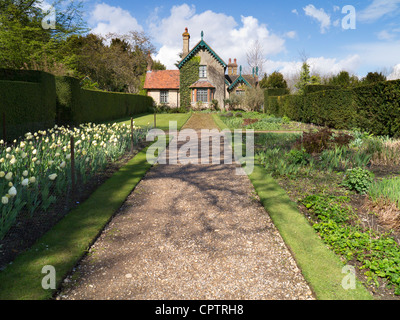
point(203, 72)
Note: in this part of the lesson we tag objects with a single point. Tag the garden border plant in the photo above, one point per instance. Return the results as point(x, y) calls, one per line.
point(65, 244)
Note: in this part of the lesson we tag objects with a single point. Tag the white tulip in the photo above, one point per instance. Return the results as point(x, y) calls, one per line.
point(25, 173)
point(4, 200)
point(25, 182)
point(53, 176)
point(9, 176)
point(12, 192)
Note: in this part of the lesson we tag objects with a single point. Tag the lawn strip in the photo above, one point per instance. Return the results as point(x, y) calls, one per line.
point(319, 265)
point(65, 244)
point(219, 122)
point(162, 120)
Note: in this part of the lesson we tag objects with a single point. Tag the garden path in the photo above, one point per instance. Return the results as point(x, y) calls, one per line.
point(189, 232)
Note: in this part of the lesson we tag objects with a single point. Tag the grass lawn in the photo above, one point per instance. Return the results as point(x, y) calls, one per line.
point(69, 240)
point(162, 120)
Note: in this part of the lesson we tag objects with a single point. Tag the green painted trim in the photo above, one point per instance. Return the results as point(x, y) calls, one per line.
point(201, 45)
point(239, 79)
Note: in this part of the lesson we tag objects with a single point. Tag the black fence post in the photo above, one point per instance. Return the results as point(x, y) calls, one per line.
point(131, 135)
point(73, 164)
point(4, 128)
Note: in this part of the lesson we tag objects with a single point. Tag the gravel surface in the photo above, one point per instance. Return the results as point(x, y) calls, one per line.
point(189, 232)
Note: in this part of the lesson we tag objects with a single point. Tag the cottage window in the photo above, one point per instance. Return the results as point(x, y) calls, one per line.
point(203, 72)
point(202, 95)
point(164, 97)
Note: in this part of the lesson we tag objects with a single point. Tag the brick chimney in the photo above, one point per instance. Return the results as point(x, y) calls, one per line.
point(186, 37)
point(230, 67)
point(235, 67)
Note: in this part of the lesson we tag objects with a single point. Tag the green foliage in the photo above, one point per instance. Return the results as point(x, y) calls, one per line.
point(189, 74)
point(378, 254)
point(358, 179)
point(319, 87)
point(306, 78)
point(378, 108)
point(28, 101)
point(76, 105)
point(344, 80)
point(373, 77)
point(274, 80)
point(332, 108)
point(388, 189)
point(300, 157)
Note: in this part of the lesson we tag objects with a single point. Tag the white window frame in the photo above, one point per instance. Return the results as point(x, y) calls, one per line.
point(164, 96)
point(203, 72)
point(201, 93)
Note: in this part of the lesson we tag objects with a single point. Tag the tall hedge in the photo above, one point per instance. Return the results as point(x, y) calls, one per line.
point(332, 108)
point(378, 107)
point(28, 101)
point(76, 105)
point(271, 103)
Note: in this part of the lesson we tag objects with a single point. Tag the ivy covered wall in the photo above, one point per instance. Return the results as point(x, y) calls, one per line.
point(189, 74)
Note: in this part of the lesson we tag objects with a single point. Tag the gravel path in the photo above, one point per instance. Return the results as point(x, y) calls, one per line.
point(189, 232)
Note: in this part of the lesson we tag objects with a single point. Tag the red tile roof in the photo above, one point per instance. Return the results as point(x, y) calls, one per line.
point(202, 84)
point(162, 79)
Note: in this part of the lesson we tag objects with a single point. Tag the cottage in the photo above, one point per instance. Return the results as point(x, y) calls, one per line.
point(214, 80)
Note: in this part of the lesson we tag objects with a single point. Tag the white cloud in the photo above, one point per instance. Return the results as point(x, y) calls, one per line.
point(377, 9)
point(385, 35)
point(320, 15)
point(291, 34)
point(223, 33)
point(395, 73)
point(319, 65)
point(295, 11)
point(108, 19)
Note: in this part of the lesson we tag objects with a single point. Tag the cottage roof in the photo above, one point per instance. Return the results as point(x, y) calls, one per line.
point(162, 79)
point(201, 45)
point(202, 84)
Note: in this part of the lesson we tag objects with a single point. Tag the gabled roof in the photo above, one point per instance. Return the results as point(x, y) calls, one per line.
point(233, 80)
point(162, 79)
point(201, 45)
point(202, 84)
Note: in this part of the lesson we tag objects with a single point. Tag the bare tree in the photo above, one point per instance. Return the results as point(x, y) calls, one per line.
point(256, 58)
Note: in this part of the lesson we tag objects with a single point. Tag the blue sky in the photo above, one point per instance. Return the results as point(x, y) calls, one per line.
point(284, 28)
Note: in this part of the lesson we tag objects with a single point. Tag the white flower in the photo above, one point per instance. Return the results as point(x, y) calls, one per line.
point(12, 192)
point(25, 173)
point(32, 179)
point(23, 155)
point(13, 160)
point(2, 174)
point(34, 151)
point(53, 176)
point(8, 150)
point(4, 200)
point(25, 182)
point(9, 176)
point(68, 156)
point(62, 165)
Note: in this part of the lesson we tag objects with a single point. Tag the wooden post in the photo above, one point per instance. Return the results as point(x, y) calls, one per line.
point(73, 164)
point(131, 135)
point(4, 128)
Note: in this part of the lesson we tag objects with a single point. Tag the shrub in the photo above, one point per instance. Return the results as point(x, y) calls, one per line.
point(358, 179)
point(323, 139)
point(300, 157)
